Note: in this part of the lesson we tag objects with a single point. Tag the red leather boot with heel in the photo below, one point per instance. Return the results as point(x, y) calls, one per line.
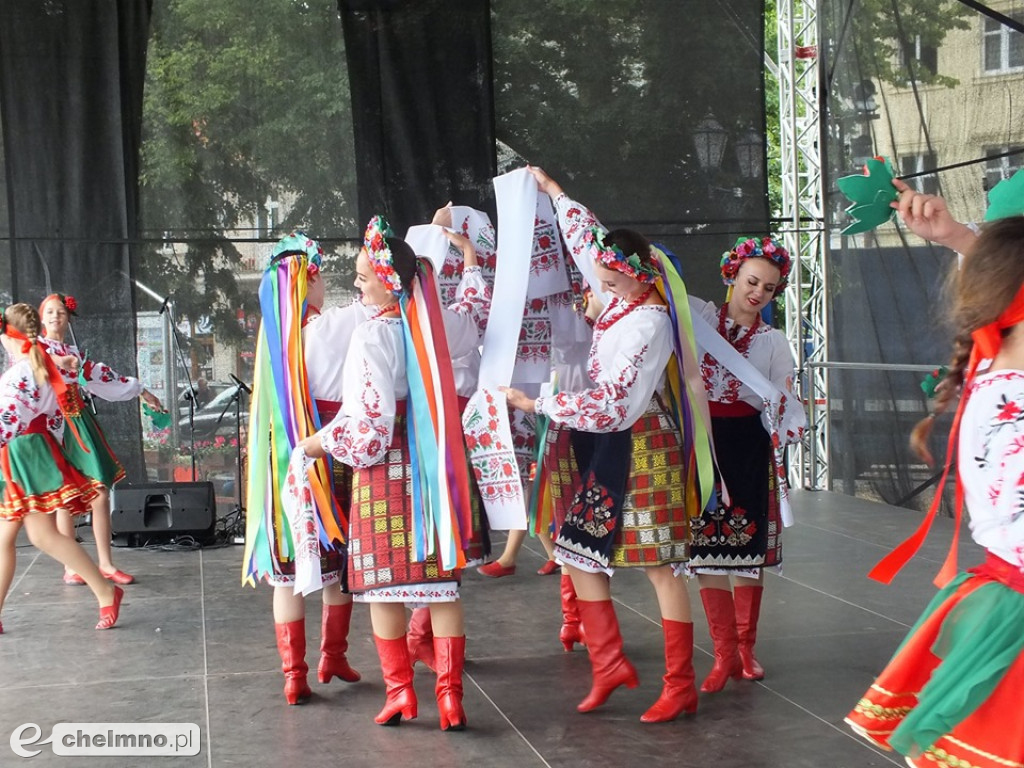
point(721, 613)
point(334, 645)
point(679, 692)
point(291, 644)
point(608, 662)
point(748, 611)
point(397, 668)
point(450, 655)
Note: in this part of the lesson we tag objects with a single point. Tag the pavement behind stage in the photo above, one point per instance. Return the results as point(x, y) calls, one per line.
point(193, 646)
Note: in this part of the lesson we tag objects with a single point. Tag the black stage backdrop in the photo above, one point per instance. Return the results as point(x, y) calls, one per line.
point(423, 112)
point(71, 74)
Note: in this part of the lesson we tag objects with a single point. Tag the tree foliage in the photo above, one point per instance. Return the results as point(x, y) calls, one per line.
point(245, 101)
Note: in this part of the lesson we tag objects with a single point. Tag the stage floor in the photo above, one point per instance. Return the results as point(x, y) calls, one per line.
point(194, 646)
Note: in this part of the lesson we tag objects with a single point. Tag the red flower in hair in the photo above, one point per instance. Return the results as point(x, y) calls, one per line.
point(70, 303)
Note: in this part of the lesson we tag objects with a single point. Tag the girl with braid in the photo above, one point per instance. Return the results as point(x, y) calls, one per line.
point(94, 457)
point(951, 694)
point(37, 478)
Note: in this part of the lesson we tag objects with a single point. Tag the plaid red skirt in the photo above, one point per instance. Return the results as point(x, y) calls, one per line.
point(652, 528)
point(380, 525)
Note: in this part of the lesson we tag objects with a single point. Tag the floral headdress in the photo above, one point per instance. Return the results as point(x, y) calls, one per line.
point(381, 259)
point(751, 248)
point(300, 243)
point(69, 302)
point(611, 256)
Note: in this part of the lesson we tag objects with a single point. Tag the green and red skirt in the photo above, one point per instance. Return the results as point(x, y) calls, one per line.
point(98, 463)
point(37, 477)
point(952, 695)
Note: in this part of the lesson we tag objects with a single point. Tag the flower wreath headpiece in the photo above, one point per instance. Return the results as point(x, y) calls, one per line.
point(611, 256)
point(751, 248)
point(299, 242)
point(69, 302)
point(377, 251)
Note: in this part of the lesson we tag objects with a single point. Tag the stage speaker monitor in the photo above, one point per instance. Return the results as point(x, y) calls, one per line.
point(162, 511)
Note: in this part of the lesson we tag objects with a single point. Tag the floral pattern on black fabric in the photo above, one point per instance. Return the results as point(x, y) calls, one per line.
point(593, 510)
point(726, 527)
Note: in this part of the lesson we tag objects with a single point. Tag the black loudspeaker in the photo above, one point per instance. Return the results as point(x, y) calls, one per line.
point(154, 512)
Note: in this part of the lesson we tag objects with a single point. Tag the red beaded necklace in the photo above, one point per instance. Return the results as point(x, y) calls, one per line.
point(604, 324)
point(386, 311)
point(732, 335)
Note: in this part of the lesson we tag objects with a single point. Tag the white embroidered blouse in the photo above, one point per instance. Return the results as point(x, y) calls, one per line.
point(22, 399)
point(991, 463)
point(769, 352)
point(373, 381)
point(100, 379)
point(325, 343)
point(630, 350)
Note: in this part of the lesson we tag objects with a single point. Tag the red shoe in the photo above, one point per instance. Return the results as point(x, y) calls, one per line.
point(748, 609)
point(73, 579)
point(109, 613)
point(572, 630)
point(721, 613)
point(678, 694)
point(118, 577)
point(291, 645)
point(421, 639)
point(608, 663)
point(334, 645)
point(496, 570)
point(548, 568)
point(396, 666)
point(450, 653)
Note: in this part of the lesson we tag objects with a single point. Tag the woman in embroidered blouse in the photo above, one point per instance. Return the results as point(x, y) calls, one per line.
point(951, 695)
point(369, 434)
point(98, 463)
point(37, 477)
point(733, 543)
point(608, 524)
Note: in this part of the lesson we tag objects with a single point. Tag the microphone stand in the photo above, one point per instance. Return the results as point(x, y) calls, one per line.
point(190, 394)
point(239, 510)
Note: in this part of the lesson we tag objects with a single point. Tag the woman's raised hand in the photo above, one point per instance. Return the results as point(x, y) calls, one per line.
point(927, 216)
point(443, 216)
point(545, 183)
point(465, 245)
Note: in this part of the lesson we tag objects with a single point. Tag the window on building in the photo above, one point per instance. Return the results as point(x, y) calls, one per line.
point(912, 164)
point(1004, 47)
point(267, 218)
point(998, 168)
point(915, 56)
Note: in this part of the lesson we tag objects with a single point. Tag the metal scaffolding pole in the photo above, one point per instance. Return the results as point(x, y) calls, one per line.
point(803, 198)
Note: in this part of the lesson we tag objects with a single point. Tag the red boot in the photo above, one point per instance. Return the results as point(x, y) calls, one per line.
point(678, 694)
point(334, 644)
point(397, 669)
point(721, 615)
point(421, 638)
point(572, 630)
point(450, 653)
point(748, 609)
point(291, 644)
point(608, 663)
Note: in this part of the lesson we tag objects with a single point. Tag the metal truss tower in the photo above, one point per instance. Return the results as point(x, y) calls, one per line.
point(803, 222)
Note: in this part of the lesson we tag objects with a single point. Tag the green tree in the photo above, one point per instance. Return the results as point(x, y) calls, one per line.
point(245, 100)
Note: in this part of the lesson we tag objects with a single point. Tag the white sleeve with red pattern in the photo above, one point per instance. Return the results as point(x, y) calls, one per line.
point(20, 401)
point(627, 366)
point(361, 432)
point(103, 381)
point(473, 297)
point(575, 219)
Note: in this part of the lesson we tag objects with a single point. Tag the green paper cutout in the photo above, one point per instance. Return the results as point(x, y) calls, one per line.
point(160, 419)
point(871, 194)
point(1006, 198)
